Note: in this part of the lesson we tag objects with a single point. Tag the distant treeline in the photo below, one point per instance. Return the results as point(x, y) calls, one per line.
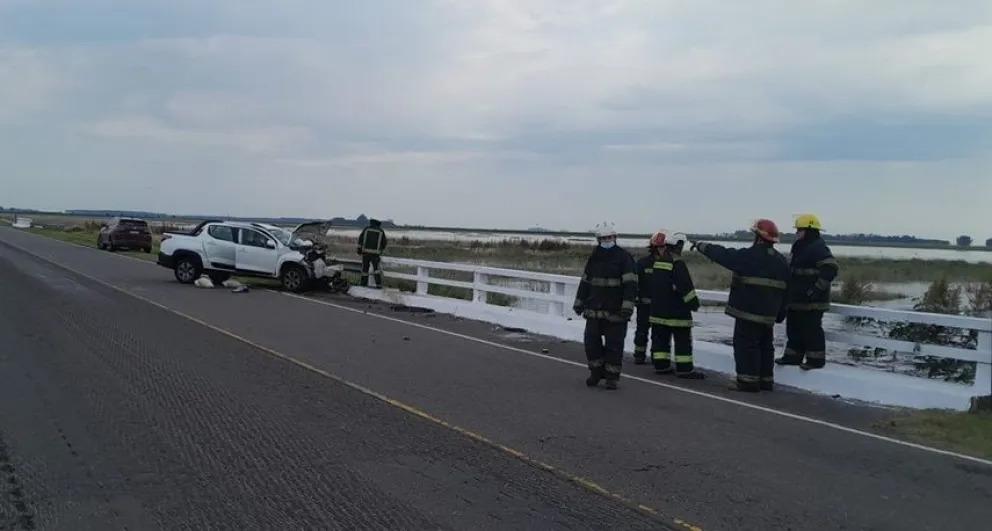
point(849, 239)
point(360, 221)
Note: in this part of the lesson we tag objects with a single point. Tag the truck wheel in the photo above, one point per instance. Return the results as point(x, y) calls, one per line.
point(110, 245)
point(293, 278)
point(187, 270)
point(99, 243)
point(218, 278)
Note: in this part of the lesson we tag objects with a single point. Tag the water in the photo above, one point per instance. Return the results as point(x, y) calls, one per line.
point(892, 253)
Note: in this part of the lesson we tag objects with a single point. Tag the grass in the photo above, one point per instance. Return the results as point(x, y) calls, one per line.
point(87, 238)
point(968, 433)
point(570, 259)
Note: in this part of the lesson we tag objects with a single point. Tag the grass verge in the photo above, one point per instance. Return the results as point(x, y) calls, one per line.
point(967, 433)
point(87, 238)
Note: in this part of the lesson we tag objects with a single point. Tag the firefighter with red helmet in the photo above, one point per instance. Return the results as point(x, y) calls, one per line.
point(673, 299)
point(644, 268)
point(758, 300)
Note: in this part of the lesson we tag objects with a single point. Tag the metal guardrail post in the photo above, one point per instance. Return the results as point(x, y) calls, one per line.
point(422, 273)
point(479, 281)
point(558, 307)
point(983, 371)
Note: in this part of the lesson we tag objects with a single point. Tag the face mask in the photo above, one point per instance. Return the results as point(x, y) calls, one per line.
point(607, 245)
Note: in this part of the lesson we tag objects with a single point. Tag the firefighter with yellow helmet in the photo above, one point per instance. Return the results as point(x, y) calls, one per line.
point(813, 270)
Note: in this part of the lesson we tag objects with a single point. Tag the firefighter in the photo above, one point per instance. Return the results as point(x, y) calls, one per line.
point(644, 270)
point(606, 299)
point(813, 269)
point(673, 299)
point(758, 298)
point(371, 244)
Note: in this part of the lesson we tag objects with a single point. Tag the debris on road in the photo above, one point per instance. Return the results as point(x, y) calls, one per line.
point(232, 284)
point(204, 282)
point(240, 289)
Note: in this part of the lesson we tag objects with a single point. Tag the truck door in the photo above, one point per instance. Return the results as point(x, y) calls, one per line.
point(220, 246)
point(257, 252)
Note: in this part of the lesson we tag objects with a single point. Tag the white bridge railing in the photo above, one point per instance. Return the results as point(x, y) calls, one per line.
point(552, 294)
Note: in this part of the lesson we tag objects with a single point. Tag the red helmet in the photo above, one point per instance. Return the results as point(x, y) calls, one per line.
point(658, 239)
point(766, 230)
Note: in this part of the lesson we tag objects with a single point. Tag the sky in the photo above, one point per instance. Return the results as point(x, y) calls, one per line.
point(694, 115)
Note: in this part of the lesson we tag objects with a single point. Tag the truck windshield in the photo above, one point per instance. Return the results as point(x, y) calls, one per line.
point(283, 235)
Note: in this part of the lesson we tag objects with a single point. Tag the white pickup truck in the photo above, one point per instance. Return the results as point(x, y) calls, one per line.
point(221, 249)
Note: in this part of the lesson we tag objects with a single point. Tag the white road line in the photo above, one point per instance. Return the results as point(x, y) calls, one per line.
point(694, 392)
point(719, 398)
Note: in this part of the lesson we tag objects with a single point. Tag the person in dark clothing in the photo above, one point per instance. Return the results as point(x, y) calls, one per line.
point(813, 270)
point(758, 298)
point(371, 244)
point(644, 270)
point(606, 299)
point(673, 299)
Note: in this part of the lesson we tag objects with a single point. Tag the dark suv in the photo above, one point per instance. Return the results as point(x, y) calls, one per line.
point(125, 233)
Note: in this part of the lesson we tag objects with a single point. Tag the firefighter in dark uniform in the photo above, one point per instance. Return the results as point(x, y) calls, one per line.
point(606, 298)
point(673, 299)
point(644, 270)
point(758, 298)
point(371, 244)
point(813, 270)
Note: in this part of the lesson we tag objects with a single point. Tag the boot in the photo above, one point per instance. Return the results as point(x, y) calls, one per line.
point(611, 385)
point(737, 386)
point(692, 375)
point(807, 366)
point(787, 360)
point(595, 375)
point(639, 360)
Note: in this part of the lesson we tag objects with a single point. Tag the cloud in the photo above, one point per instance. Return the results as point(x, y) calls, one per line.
point(142, 128)
point(30, 82)
point(535, 105)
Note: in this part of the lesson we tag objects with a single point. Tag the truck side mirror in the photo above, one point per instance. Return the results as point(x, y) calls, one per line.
point(271, 244)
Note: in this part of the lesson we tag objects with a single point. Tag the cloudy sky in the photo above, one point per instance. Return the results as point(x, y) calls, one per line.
point(696, 115)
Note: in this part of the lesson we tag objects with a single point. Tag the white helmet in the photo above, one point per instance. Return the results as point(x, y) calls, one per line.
point(605, 230)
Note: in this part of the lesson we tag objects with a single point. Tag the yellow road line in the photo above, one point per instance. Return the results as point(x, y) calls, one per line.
point(584, 483)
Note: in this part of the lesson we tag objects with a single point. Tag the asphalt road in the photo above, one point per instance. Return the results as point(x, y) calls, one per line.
point(114, 410)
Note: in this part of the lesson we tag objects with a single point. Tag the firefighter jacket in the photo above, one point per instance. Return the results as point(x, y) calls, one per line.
point(608, 289)
point(372, 240)
point(644, 270)
point(813, 269)
point(759, 289)
point(673, 297)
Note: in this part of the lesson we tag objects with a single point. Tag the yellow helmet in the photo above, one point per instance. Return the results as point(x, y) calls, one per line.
point(808, 221)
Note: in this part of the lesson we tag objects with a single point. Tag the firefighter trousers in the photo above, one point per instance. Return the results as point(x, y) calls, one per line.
point(371, 263)
point(806, 339)
point(642, 332)
point(754, 355)
point(661, 348)
point(604, 347)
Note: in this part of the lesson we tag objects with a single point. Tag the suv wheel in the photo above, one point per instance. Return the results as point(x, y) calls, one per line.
point(187, 270)
point(110, 244)
point(293, 278)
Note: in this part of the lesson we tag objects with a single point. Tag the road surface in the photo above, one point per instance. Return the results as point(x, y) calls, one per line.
point(130, 401)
